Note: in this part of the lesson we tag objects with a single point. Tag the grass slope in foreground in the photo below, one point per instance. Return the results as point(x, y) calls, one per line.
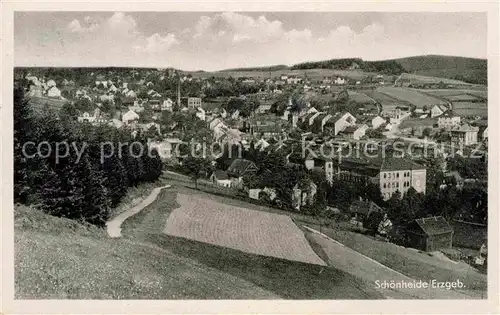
point(57, 258)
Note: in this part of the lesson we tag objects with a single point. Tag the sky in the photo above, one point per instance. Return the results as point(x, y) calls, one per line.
point(220, 40)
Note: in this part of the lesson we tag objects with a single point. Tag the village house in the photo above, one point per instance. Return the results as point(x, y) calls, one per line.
point(238, 169)
point(261, 145)
point(167, 105)
point(339, 81)
point(260, 194)
point(303, 195)
point(438, 110)
point(339, 123)
point(130, 117)
point(148, 126)
point(166, 148)
point(355, 132)
point(36, 91)
point(131, 94)
point(86, 117)
point(263, 108)
point(193, 102)
point(377, 122)
point(220, 178)
point(448, 121)
point(430, 234)
point(54, 92)
point(153, 94)
point(322, 164)
point(51, 83)
point(464, 135)
point(484, 135)
point(200, 113)
point(361, 210)
point(267, 131)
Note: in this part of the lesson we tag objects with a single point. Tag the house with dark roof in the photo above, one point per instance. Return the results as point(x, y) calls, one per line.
point(360, 210)
point(430, 234)
point(238, 169)
point(220, 178)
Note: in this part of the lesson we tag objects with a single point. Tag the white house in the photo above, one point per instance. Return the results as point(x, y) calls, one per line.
point(302, 197)
point(131, 94)
point(54, 92)
point(220, 178)
point(485, 134)
point(235, 114)
point(261, 145)
point(200, 113)
point(105, 97)
point(86, 117)
point(153, 94)
point(377, 122)
point(166, 147)
point(438, 110)
point(342, 121)
point(113, 88)
point(339, 81)
point(130, 117)
point(167, 105)
point(448, 121)
point(51, 83)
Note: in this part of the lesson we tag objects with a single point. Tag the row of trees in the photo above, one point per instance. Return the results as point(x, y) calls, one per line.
point(83, 180)
point(385, 66)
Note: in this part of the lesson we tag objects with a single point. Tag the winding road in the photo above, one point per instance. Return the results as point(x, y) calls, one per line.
point(113, 226)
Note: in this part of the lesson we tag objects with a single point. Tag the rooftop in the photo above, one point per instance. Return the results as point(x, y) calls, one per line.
point(399, 164)
point(434, 225)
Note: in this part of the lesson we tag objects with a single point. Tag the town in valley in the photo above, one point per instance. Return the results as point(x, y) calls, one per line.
point(314, 180)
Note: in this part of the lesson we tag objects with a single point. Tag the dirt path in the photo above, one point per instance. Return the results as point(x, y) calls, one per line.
point(371, 271)
point(113, 226)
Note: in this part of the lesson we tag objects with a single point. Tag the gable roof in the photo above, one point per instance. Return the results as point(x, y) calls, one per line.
point(240, 166)
point(364, 207)
point(434, 225)
point(220, 175)
point(399, 164)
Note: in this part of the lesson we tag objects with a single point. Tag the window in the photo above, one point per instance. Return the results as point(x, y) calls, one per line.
point(385, 186)
point(397, 185)
point(389, 175)
point(385, 175)
point(397, 175)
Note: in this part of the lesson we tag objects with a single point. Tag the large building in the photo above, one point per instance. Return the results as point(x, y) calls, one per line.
point(398, 174)
point(193, 102)
point(391, 174)
point(464, 135)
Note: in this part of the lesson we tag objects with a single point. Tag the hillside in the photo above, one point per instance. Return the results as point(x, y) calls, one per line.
point(470, 70)
point(57, 258)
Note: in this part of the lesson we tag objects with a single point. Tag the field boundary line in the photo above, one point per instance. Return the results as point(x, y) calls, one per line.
point(113, 226)
point(366, 257)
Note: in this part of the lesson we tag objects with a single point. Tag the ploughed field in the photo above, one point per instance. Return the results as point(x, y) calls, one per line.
point(411, 96)
point(256, 232)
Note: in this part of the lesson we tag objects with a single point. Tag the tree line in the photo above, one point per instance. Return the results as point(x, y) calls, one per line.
point(63, 182)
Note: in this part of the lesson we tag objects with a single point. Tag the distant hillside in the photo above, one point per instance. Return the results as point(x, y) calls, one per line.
point(266, 68)
point(384, 66)
point(470, 70)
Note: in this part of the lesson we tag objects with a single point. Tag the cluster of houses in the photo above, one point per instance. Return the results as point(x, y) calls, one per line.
point(42, 88)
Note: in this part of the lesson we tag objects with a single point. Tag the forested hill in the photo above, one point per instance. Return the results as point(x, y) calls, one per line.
point(470, 70)
point(383, 66)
